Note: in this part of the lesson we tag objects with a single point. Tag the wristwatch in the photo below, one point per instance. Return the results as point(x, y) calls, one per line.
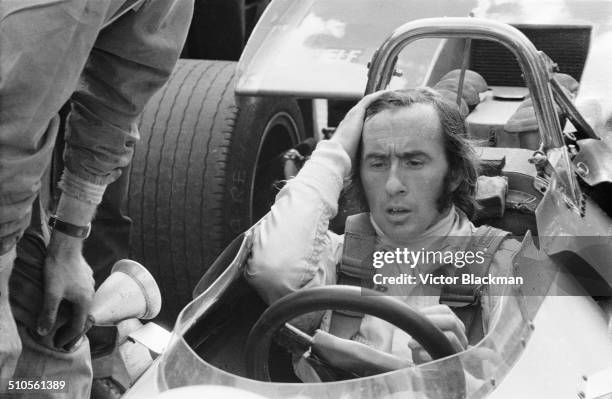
point(68, 228)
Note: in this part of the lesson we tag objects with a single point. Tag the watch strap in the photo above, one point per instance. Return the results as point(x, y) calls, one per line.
point(68, 228)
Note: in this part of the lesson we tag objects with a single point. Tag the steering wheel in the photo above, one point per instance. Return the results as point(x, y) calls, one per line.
point(339, 297)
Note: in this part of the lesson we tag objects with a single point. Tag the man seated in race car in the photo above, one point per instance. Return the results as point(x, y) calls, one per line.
point(417, 175)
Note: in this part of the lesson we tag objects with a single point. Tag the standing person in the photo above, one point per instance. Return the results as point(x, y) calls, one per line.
point(108, 57)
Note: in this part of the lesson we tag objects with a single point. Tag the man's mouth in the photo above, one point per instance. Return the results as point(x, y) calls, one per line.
point(396, 210)
point(397, 215)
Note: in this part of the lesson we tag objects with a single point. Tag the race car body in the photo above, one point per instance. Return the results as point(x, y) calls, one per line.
point(534, 348)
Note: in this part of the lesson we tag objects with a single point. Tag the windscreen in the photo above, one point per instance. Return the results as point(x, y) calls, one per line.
point(473, 373)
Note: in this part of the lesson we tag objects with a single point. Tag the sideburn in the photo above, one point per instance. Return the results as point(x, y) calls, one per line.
point(445, 198)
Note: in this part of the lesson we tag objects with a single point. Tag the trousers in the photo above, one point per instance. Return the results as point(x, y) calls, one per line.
point(39, 359)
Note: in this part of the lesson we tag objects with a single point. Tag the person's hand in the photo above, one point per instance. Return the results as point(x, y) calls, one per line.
point(447, 321)
point(67, 277)
point(348, 133)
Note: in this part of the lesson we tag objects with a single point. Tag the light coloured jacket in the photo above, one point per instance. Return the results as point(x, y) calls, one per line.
point(52, 51)
point(294, 249)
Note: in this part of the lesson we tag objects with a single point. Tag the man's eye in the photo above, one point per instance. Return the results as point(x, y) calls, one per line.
point(378, 164)
point(415, 163)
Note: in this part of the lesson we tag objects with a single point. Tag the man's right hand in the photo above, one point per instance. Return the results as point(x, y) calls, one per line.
point(348, 133)
point(67, 276)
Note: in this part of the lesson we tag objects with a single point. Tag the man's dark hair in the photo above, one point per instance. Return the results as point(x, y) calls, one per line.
point(462, 160)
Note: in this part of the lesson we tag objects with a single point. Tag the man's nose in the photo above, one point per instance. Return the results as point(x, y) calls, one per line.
point(394, 184)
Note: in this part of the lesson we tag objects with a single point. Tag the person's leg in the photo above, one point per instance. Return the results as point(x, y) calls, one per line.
point(71, 369)
point(39, 357)
point(10, 346)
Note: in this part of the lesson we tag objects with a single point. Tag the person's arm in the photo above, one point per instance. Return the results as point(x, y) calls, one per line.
point(131, 60)
point(293, 247)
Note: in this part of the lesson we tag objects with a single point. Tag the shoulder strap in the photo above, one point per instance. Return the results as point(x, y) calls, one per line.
point(355, 268)
point(465, 299)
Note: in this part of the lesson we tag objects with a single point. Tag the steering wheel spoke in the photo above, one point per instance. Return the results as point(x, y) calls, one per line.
point(293, 339)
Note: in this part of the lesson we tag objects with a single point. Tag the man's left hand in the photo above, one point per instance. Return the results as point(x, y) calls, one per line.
point(447, 321)
point(67, 276)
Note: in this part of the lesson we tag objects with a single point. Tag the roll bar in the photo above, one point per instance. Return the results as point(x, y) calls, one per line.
point(536, 70)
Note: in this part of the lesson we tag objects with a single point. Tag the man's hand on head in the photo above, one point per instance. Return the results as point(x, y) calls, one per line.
point(67, 277)
point(447, 321)
point(348, 133)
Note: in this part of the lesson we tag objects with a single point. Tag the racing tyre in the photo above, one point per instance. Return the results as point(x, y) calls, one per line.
point(206, 167)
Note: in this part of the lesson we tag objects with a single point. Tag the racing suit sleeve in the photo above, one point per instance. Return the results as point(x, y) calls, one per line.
point(293, 247)
point(131, 59)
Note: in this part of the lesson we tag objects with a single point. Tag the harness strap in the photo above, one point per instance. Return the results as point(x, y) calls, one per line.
point(465, 299)
point(354, 269)
point(359, 243)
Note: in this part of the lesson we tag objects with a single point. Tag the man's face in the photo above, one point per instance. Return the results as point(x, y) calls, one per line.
point(403, 169)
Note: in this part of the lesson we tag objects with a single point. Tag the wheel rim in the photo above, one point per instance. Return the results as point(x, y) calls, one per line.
point(280, 134)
